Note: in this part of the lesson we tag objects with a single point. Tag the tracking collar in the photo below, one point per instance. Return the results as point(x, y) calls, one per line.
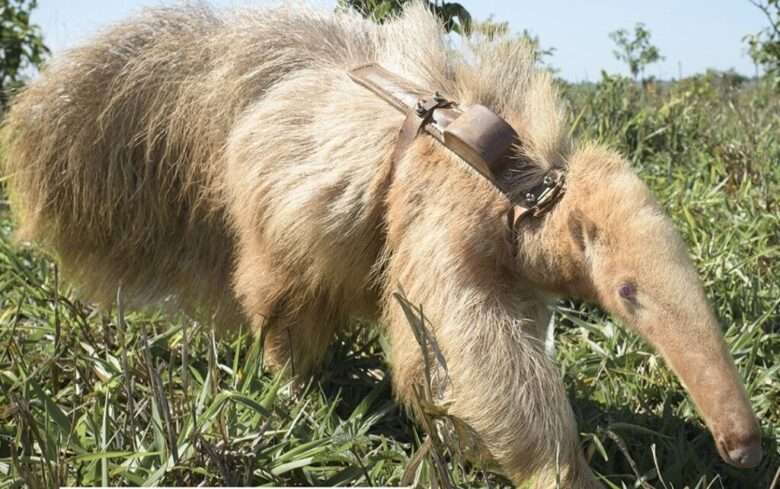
point(476, 134)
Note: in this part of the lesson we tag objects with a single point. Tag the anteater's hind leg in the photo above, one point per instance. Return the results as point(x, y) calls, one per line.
point(296, 329)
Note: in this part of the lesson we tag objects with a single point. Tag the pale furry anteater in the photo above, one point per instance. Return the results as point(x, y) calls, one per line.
point(227, 160)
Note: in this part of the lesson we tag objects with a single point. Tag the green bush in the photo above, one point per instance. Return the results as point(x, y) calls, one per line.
point(21, 44)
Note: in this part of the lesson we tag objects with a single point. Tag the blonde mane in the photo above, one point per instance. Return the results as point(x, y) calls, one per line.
point(169, 86)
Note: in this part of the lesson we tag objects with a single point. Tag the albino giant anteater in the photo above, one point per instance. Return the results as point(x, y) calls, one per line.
point(228, 160)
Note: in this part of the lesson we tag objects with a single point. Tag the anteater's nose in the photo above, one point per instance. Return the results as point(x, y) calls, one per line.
point(746, 453)
point(746, 456)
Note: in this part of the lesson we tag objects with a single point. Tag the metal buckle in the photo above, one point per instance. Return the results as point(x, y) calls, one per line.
point(541, 198)
point(425, 107)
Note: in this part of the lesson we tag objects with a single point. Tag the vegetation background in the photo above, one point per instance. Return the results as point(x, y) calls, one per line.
point(91, 397)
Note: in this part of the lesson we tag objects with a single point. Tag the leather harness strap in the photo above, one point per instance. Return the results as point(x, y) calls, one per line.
point(477, 135)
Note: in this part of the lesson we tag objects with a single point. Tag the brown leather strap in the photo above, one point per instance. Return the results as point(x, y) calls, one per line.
point(479, 136)
point(393, 89)
point(482, 139)
point(409, 130)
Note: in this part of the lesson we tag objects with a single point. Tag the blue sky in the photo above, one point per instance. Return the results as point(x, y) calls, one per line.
point(693, 35)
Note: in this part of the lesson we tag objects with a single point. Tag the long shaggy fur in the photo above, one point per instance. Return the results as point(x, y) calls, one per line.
point(121, 146)
point(225, 160)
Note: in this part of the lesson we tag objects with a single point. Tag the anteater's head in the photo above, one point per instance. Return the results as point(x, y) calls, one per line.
point(614, 245)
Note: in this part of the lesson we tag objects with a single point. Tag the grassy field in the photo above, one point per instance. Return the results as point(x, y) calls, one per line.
point(121, 397)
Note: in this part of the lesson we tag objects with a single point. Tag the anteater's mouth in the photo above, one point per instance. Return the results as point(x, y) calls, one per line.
point(745, 456)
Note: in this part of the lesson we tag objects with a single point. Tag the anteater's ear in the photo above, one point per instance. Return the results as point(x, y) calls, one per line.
point(583, 231)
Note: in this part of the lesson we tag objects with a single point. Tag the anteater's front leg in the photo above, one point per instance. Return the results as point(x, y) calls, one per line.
point(296, 326)
point(502, 385)
point(297, 336)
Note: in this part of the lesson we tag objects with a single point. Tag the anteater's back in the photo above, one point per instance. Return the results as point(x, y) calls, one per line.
point(117, 155)
point(114, 154)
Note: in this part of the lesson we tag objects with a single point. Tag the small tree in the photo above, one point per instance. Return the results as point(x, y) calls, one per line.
point(765, 46)
point(21, 44)
point(454, 15)
point(635, 50)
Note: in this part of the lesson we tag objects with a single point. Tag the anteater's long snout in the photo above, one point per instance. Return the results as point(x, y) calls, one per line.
point(733, 424)
point(701, 360)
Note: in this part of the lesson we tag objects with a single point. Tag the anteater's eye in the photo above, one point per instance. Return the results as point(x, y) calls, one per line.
point(627, 291)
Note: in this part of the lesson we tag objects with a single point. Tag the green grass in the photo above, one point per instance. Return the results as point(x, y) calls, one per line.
point(90, 397)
